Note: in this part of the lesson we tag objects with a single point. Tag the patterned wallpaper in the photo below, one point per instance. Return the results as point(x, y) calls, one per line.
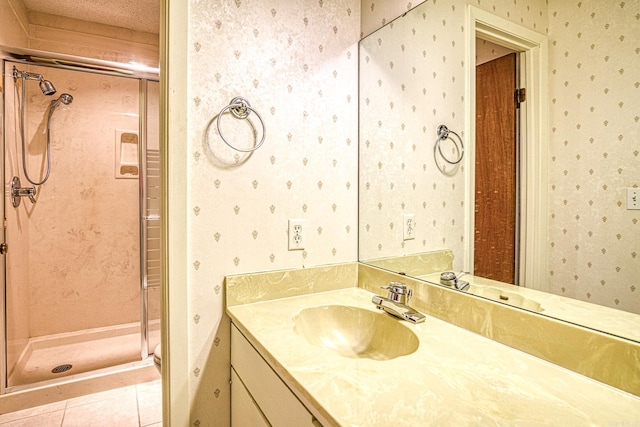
point(413, 81)
point(487, 51)
point(376, 14)
point(594, 130)
point(594, 253)
point(530, 13)
point(296, 63)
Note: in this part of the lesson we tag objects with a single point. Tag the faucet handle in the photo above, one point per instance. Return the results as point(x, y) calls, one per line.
point(396, 287)
point(398, 292)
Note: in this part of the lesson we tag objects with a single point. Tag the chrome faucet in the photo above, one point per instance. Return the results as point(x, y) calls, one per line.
point(396, 303)
point(17, 192)
point(449, 278)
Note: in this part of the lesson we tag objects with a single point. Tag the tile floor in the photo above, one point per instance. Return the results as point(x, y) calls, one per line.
point(136, 406)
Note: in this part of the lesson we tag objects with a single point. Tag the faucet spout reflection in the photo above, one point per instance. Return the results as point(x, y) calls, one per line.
point(396, 303)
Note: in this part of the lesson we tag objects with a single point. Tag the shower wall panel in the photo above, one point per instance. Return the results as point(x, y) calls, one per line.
point(84, 230)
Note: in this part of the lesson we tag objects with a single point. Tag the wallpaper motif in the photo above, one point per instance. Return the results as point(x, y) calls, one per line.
point(529, 13)
point(411, 82)
point(296, 63)
point(408, 89)
point(595, 156)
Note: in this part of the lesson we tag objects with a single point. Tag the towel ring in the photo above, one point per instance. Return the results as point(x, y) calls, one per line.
point(240, 109)
point(444, 133)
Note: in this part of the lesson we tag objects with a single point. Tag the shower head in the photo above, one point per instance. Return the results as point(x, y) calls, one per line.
point(65, 98)
point(47, 87)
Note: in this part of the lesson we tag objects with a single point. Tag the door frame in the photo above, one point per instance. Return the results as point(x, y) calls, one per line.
point(534, 140)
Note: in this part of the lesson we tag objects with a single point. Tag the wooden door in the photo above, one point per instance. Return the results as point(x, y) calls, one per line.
point(496, 162)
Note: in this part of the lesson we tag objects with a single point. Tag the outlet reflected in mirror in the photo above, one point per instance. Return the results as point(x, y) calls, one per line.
point(413, 77)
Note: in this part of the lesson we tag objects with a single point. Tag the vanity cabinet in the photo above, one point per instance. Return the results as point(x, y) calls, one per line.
point(244, 411)
point(258, 396)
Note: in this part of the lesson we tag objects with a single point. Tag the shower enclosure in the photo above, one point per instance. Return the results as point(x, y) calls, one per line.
point(81, 237)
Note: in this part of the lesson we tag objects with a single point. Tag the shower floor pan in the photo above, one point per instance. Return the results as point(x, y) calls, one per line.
point(47, 358)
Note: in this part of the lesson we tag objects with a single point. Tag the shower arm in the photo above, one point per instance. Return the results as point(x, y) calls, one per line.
point(26, 75)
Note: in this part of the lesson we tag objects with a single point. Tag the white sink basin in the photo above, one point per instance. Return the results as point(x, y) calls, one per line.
point(355, 332)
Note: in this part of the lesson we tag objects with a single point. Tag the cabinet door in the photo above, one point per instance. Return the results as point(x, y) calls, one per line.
point(244, 411)
point(276, 401)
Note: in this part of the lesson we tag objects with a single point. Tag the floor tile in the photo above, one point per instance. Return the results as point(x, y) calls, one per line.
point(121, 412)
point(118, 393)
point(49, 419)
point(133, 406)
point(150, 403)
point(31, 412)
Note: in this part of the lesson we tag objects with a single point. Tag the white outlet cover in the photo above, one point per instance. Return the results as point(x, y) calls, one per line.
point(633, 198)
point(408, 226)
point(297, 234)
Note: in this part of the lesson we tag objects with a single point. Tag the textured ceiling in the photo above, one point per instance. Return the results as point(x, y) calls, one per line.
point(138, 15)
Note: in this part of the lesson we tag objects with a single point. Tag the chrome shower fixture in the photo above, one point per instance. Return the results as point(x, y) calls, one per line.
point(48, 89)
point(46, 86)
point(65, 98)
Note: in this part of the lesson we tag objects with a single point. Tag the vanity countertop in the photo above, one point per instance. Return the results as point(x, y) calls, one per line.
point(455, 377)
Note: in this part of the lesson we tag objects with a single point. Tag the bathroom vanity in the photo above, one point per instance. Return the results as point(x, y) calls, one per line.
point(289, 369)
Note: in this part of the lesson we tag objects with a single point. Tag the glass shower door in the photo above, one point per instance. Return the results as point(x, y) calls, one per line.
point(73, 270)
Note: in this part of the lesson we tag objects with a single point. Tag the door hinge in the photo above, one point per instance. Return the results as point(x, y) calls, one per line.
point(4, 248)
point(521, 96)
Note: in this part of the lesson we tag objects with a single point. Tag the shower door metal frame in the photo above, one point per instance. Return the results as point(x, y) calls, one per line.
point(3, 284)
point(73, 63)
point(142, 183)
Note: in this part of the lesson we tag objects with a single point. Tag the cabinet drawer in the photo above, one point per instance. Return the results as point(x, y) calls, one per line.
point(281, 407)
point(244, 411)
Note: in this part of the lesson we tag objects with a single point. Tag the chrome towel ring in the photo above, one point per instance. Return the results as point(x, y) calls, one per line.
point(444, 133)
point(240, 109)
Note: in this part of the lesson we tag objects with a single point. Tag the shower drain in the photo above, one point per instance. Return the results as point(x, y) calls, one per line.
point(60, 369)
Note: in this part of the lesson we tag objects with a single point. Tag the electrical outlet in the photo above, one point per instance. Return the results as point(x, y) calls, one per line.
point(296, 234)
point(408, 226)
point(633, 198)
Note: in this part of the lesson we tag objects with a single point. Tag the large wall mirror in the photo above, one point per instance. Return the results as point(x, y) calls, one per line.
point(574, 151)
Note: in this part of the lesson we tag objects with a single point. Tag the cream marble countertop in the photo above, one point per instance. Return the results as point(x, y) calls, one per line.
point(601, 318)
point(455, 377)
